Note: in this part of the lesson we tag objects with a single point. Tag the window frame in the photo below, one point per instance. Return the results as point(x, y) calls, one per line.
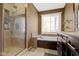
point(58, 13)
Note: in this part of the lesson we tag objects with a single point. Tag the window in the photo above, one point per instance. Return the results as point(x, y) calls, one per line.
point(51, 23)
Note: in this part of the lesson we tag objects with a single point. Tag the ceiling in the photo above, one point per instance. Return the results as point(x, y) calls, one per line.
point(48, 6)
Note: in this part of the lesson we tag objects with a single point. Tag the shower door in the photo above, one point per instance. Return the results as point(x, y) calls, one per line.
point(18, 31)
point(14, 34)
point(13, 29)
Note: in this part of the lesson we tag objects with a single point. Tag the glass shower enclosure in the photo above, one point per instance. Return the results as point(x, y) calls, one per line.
point(14, 31)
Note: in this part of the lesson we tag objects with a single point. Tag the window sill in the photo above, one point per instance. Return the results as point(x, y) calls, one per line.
point(50, 34)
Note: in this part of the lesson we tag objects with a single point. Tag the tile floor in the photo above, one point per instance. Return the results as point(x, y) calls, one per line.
point(10, 51)
point(37, 52)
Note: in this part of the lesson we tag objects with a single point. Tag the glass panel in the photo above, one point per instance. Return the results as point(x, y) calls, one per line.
point(18, 31)
point(14, 31)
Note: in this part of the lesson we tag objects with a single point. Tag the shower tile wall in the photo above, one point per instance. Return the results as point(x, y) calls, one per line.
point(14, 40)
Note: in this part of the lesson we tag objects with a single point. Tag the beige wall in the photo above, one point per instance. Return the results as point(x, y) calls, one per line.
point(7, 33)
point(1, 27)
point(76, 7)
point(20, 8)
point(32, 21)
point(69, 16)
